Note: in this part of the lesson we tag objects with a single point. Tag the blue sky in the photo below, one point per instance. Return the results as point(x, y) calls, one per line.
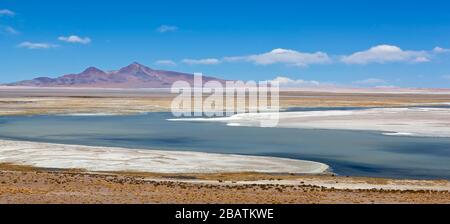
point(349, 43)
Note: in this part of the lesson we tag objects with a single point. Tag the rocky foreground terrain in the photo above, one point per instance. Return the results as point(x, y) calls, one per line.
point(19, 184)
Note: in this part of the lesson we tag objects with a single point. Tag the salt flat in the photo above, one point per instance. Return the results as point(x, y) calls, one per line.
point(430, 122)
point(120, 159)
point(36, 101)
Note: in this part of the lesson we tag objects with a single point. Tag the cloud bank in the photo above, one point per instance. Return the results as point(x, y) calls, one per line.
point(440, 50)
point(380, 54)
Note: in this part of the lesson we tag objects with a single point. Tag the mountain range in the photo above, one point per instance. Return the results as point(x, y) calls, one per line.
point(134, 75)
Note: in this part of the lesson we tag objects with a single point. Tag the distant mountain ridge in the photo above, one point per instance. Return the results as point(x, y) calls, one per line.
point(134, 75)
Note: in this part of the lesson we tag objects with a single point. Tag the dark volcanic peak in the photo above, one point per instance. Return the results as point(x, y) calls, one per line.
point(134, 75)
point(134, 67)
point(93, 70)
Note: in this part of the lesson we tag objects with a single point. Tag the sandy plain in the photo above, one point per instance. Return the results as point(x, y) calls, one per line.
point(29, 101)
point(22, 184)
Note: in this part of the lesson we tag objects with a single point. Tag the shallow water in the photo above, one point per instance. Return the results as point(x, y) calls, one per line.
point(352, 153)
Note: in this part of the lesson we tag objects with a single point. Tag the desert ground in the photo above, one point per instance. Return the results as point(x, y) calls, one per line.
point(30, 183)
point(22, 184)
point(31, 101)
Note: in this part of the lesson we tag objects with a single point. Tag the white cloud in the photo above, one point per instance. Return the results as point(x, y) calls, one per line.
point(384, 54)
point(206, 61)
point(440, 50)
point(293, 83)
point(75, 39)
point(284, 56)
point(166, 62)
point(421, 59)
point(370, 81)
point(8, 30)
point(446, 77)
point(387, 87)
point(6, 12)
point(166, 28)
point(30, 45)
point(11, 30)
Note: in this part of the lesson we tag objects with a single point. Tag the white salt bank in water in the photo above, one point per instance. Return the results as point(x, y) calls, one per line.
point(430, 122)
point(120, 159)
